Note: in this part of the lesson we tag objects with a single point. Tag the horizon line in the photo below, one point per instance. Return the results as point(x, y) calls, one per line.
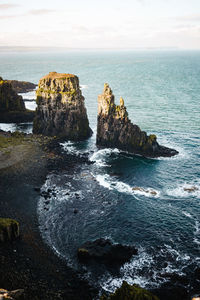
point(37, 48)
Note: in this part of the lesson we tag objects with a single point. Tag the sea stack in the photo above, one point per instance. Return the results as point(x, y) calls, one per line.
point(115, 130)
point(60, 109)
point(12, 107)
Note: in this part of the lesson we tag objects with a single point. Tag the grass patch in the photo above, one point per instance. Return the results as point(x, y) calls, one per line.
point(6, 142)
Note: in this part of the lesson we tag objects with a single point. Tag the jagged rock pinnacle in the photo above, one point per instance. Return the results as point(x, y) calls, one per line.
point(115, 130)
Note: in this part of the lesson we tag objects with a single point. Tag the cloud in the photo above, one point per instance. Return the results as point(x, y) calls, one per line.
point(8, 17)
point(191, 18)
point(37, 12)
point(7, 6)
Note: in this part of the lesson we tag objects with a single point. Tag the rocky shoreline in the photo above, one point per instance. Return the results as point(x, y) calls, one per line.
point(27, 263)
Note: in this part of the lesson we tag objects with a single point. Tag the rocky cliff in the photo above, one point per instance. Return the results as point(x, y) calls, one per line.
point(9, 99)
point(61, 110)
point(114, 129)
point(12, 107)
point(22, 86)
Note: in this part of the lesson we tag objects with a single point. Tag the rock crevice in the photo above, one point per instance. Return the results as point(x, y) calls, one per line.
point(114, 129)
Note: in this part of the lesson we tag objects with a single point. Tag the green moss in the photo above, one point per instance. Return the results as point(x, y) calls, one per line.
point(41, 90)
point(6, 222)
point(130, 292)
point(82, 251)
point(71, 92)
point(152, 138)
point(6, 142)
point(17, 134)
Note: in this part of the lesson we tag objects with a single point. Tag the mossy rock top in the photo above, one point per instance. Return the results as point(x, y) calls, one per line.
point(55, 75)
point(130, 292)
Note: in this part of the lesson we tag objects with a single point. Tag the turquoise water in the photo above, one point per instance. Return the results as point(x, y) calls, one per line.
point(162, 95)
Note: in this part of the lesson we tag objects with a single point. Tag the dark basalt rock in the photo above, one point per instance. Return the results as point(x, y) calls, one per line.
point(115, 130)
point(103, 250)
point(12, 107)
point(61, 110)
point(22, 86)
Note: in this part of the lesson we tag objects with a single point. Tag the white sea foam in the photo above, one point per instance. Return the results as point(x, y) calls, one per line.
point(197, 227)
point(83, 86)
point(107, 182)
point(31, 96)
point(131, 272)
point(69, 147)
point(197, 233)
point(197, 241)
point(145, 270)
point(30, 105)
point(183, 153)
point(102, 155)
point(187, 214)
point(184, 190)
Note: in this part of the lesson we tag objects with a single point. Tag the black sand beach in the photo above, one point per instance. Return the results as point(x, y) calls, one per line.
point(28, 263)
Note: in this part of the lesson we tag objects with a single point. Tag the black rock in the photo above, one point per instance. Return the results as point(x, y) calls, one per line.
point(115, 130)
point(103, 250)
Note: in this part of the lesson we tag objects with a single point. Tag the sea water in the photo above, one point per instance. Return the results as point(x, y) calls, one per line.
point(152, 204)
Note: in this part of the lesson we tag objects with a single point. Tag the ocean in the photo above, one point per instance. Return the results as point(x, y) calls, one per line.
point(161, 91)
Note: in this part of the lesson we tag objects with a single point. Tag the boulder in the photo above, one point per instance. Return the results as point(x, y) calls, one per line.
point(115, 130)
point(9, 229)
point(103, 250)
point(61, 110)
point(130, 292)
point(4, 294)
point(191, 189)
point(12, 107)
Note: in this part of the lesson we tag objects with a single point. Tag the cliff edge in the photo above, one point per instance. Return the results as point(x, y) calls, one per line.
point(61, 110)
point(114, 129)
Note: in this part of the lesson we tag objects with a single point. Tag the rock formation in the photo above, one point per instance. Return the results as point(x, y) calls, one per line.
point(11, 295)
point(12, 107)
point(22, 86)
point(9, 229)
point(10, 101)
point(114, 129)
point(130, 292)
point(61, 111)
point(102, 250)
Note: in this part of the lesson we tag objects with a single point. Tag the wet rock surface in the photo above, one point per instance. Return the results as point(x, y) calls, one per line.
point(114, 129)
point(130, 292)
point(61, 110)
point(103, 250)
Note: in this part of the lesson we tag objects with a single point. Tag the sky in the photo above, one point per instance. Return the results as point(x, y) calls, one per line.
point(104, 24)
